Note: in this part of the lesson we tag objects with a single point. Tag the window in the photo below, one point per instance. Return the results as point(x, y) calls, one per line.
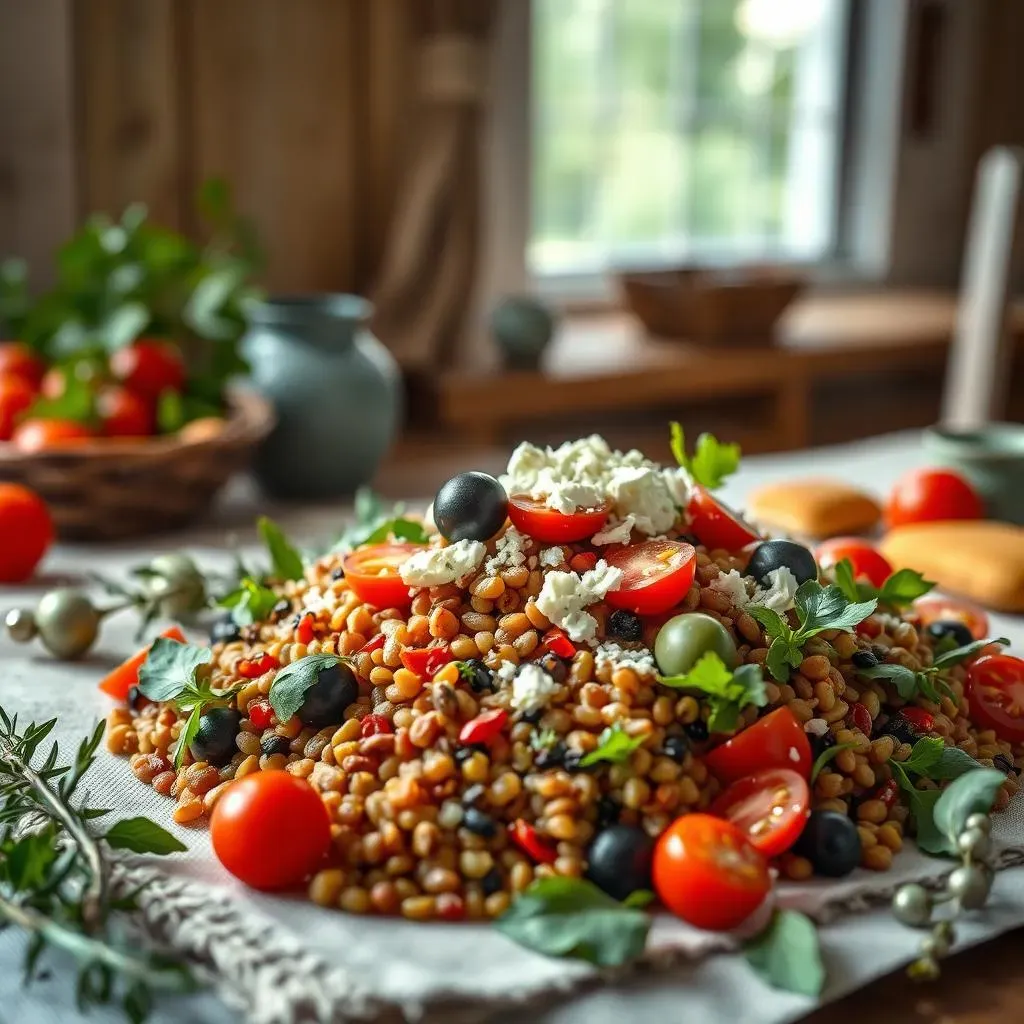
point(667, 130)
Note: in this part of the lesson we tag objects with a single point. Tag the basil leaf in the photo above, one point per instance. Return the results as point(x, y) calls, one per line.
point(921, 803)
point(169, 667)
point(772, 621)
point(613, 745)
point(188, 734)
point(250, 602)
point(289, 687)
point(842, 572)
point(904, 587)
point(572, 917)
point(140, 835)
point(819, 608)
point(972, 793)
point(902, 678)
point(401, 529)
point(285, 561)
point(827, 755)
point(953, 763)
point(639, 898)
point(782, 655)
point(787, 954)
point(959, 654)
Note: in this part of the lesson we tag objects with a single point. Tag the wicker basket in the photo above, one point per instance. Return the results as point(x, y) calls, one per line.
point(722, 307)
point(126, 488)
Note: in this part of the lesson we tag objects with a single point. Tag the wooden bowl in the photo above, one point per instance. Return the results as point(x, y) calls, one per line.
point(738, 307)
point(124, 487)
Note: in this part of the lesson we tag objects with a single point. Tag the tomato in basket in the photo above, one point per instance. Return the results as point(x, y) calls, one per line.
point(656, 575)
point(715, 525)
point(373, 574)
point(769, 807)
point(533, 517)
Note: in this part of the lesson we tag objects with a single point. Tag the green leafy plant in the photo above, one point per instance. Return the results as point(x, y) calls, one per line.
point(787, 954)
point(711, 462)
point(291, 683)
point(902, 588)
point(285, 560)
point(373, 525)
point(818, 609)
point(727, 693)
point(613, 745)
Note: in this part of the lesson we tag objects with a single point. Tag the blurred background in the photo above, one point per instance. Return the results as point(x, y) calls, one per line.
point(571, 215)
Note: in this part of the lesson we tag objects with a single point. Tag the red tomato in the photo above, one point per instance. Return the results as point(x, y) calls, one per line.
point(253, 668)
point(305, 630)
point(18, 360)
point(372, 573)
point(35, 435)
point(770, 808)
point(149, 367)
point(868, 564)
point(995, 691)
point(260, 713)
point(707, 873)
point(936, 608)
point(375, 725)
point(426, 661)
point(923, 495)
point(558, 643)
point(919, 719)
point(715, 525)
point(125, 414)
point(16, 395)
point(26, 532)
point(533, 517)
point(374, 644)
point(776, 741)
point(126, 675)
point(253, 814)
point(484, 727)
point(656, 575)
point(524, 835)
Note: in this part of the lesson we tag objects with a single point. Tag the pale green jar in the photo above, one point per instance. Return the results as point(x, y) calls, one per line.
point(337, 391)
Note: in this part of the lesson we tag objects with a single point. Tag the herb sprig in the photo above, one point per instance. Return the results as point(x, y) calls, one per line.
point(711, 462)
point(613, 745)
point(900, 589)
point(373, 525)
point(727, 693)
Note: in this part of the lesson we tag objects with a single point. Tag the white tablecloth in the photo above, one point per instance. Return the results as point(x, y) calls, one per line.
point(361, 967)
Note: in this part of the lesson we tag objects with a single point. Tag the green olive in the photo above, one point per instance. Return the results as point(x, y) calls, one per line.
point(21, 625)
point(68, 623)
point(177, 585)
point(684, 639)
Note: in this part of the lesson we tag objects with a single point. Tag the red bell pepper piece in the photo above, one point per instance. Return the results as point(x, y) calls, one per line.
point(304, 630)
point(260, 713)
point(524, 835)
point(253, 668)
point(426, 661)
point(126, 675)
point(374, 725)
point(484, 727)
point(558, 643)
point(374, 644)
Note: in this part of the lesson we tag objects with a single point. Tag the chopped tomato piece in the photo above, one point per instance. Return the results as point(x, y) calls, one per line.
point(656, 575)
point(260, 713)
point(995, 690)
point(426, 661)
point(770, 808)
point(919, 719)
point(484, 727)
point(126, 675)
point(558, 643)
point(373, 574)
point(253, 668)
point(533, 517)
point(375, 725)
point(304, 630)
point(862, 718)
point(715, 525)
point(374, 644)
point(525, 836)
point(776, 741)
point(887, 792)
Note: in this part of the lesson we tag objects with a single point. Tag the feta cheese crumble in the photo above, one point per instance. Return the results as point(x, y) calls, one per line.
point(506, 672)
point(564, 596)
point(619, 533)
point(532, 688)
point(734, 586)
point(436, 566)
point(640, 660)
point(552, 558)
point(780, 596)
point(510, 552)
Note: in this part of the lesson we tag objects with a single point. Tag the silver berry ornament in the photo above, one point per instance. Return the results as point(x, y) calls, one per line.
point(912, 905)
point(935, 946)
point(176, 584)
point(974, 843)
point(981, 822)
point(970, 885)
point(21, 625)
point(68, 622)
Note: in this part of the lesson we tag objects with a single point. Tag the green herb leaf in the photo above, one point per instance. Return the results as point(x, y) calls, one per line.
point(727, 693)
point(924, 757)
point(188, 734)
point(170, 667)
point(613, 745)
point(400, 529)
point(905, 680)
point(545, 739)
point(77, 403)
point(904, 587)
point(972, 793)
point(921, 803)
point(819, 608)
point(250, 602)
point(289, 687)
point(826, 756)
point(572, 917)
point(140, 835)
point(787, 954)
point(285, 560)
point(774, 624)
point(842, 573)
point(27, 861)
point(783, 655)
point(712, 460)
point(960, 654)
point(639, 899)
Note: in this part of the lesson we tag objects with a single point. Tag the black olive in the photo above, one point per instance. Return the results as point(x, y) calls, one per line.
point(135, 698)
point(831, 843)
point(776, 554)
point(625, 625)
point(214, 741)
point(619, 860)
point(223, 630)
point(276, 745)
point(697, 730)
point(1005, 765)
point(479, 823)
point(864, 659)
point(338, 574)
point(550, 757)
point(470, 506)
point(900, 730)
point(819, 744)
point(474, 794)
point(554, 666)
point(283, 607)
point(675, 747)
point(465, 753)
point(607, 812)
point(478, 675)
point(956, 631)
point(491, 882)
point(324, 703)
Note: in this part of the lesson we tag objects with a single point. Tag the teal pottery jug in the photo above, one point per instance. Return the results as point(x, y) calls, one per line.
point(337, 391)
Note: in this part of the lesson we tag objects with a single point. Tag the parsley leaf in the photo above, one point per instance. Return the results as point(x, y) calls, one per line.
point(288, 690)
point(712, 460)
point(249, 602)
point(140, 835)
point(787, 955)
point(285, 560)
point(613, 745)
point(170, 668)
point(373, 525)
point(727, 693)
point(842, 573)
point(900, 589)
point(921, 803)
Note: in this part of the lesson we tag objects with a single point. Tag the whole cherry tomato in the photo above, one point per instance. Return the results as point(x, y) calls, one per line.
point(252, 816)
point(125, 414)
point(923, 495)
point(867, 563)
point(35, 435)
point(149, 367)
point(995, 691)
point(776, 741)
point(533, 517)
point(26, 532)
point(373, 574)
point(16, 395)
point(769, 807)
point(655, 575)
point(715, 525)
point(18, 360)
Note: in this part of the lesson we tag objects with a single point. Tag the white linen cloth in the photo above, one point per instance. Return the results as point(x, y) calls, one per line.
point(276, 959)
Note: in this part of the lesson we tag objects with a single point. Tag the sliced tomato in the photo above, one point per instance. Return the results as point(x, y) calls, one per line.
point(995, 691)
point(426, 661)
point(866, 561)
point(531, 516)
point(770, 808)
point(372, 573)
point(707, 873)
point(936, 608)
point(715, 525)
point(776, 741)
point(655, 575)
point(126, 675)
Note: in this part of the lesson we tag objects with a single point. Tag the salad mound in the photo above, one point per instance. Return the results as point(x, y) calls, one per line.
point(588, 668)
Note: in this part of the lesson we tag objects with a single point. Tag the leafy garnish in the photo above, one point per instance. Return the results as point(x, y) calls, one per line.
point(613, 745)
point(140, 835)
point(572, 917)
point(787, 955)
point(727, 693)
point(826, 756)
point(818, 609)
point(639, 898)
point(972, 793)
point(900, 589)
point(712, 461)
point(285, 560)
point(289, 687)
point(251, 601)
point(545, 739)
point(372, 525)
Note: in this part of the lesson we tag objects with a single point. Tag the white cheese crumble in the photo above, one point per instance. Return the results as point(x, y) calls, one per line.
point(532, 688)
point(552, 558)
point(780, 596)
point(641, 660)
point(506, 672)
point(816, 727)
point(510, 552)
point(565, 594)
point(734, 586)
point(888, 622)
point(436, 566)
point(619, 533)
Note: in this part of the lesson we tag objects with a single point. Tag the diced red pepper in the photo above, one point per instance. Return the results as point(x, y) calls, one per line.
point(374, 725)
point(260, 713)
point(919, 719)
point(524, 835)
point(558, 643)
point(304, 630)
point(374, 644)
point(253, 668)
point(484, 727)
point(888, 792)
point(861, 718)
point(426, 661)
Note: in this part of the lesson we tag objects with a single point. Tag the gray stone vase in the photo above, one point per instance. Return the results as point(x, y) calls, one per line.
point(337, 391)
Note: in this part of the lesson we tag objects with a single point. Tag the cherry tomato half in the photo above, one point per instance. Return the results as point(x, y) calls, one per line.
point(372, 573)
point(715, 525)
point(868, 564)
point(533, 517)
point(936, 608)
point(34, 435)
point(16, 395)
point(776, 741)
point(923, 495)
point(149, 367)
point(126, 675)
point(995, 691)
point(656, 575)
point(253, 814)
point(770, 808)
point(707, 873)
point(18, 360)
point(125, 414)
